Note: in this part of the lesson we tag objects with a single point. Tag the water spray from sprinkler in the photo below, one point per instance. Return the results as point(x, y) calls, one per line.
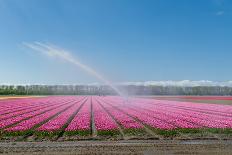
point(54, 51)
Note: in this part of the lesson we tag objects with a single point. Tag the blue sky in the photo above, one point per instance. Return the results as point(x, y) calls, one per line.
point(125, 40)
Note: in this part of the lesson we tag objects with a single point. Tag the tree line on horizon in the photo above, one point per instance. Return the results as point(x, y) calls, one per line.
point(106, 90)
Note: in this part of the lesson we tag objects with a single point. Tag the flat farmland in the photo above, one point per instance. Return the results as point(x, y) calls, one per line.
point(15, 97)
point(227, 100)
point(68, 118)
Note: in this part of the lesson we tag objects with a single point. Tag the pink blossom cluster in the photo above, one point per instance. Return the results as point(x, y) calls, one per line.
point(126, 121)
point(24, 111)
point(217, 112)
point(59, 121)
point(9, 106)
point(54, 112)
point(81, 120)
point(200, 118)
point(13, 120)
point(102, 119)
point(29, 123)
point(145, 118)
point(172, 112)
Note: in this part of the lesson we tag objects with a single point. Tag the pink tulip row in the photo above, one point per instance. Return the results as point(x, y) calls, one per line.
point(25, 111)
point(225, 111)
point(52, 113)
point(59, 121)
point(173, 119)
point(145, 118)
point(202, 119)
point(6, 122)
point(82, 119)
point(222, 114)
point(28, 124)
point(24, 104)
point(182, 119)
point(10, 106)
point(178, 117)
point(102, 119)
point(8, 103)
point(211, 108)
point(126, 121)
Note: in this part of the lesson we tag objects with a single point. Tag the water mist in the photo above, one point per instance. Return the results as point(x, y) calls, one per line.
point(54, 51)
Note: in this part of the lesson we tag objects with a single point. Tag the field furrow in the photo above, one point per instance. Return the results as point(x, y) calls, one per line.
point(102, 120)
point(81, 121)
point(58, 122)
point(113, 117)
point(28, 124)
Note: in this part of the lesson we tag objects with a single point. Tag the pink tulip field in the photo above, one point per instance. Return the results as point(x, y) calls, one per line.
point(97, 114)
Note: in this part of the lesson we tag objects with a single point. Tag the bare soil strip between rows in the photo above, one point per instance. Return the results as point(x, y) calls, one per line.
point(145, 126)
point(47, 105)
point(20, 103)
point(37, 104)
point(174, 124)
point(32, 130)
point(25, 108)
point(179, 118)
point(132, 107)
point(33, 116)
point(70, 120)
point(43, 122)
point(101, 102)
point(165, 121)
point(60, 104)
point(175, 131)
point(93, 127)
point(115, 121)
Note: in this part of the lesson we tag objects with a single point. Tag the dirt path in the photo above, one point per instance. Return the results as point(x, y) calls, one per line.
point(18, 97)
point(117, 147)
